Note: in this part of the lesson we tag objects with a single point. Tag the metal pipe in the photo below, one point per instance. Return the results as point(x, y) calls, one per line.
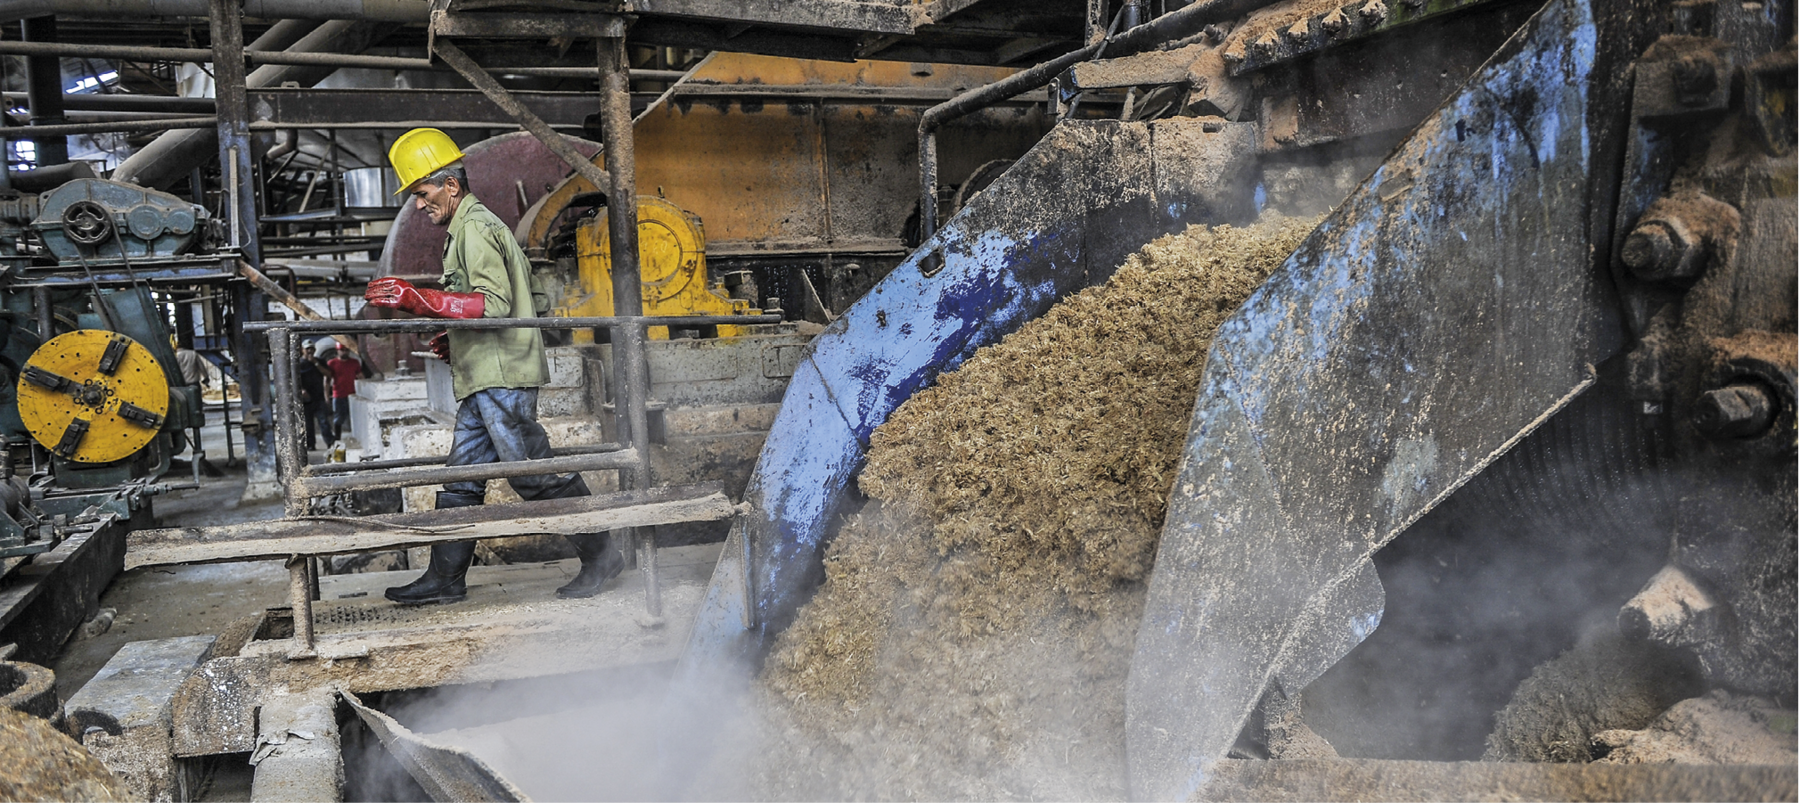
point(81, 116)
point(45, 48)
point(44, 88)
point(339, 483)
point(324, 469)
point(172, 156)
point(128, 103)
point(120, 126)
point(42, 49)
point(1172, 25)
point(414, 11)
point(433, 325)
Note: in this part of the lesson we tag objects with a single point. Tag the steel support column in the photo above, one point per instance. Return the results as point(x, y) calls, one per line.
point(238, 177)
point(44, 90)
point(631, 398)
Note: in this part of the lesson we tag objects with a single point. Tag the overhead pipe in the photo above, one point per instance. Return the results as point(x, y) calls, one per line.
point(1171, 26)
point(405, 11)
point(127, 103)
point(36, 50)
point(169, 158)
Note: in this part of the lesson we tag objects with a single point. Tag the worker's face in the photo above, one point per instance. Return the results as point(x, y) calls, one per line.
point(438, 202)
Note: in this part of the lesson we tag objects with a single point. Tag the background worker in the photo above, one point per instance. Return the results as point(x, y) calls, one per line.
point(344, 369)
point(311, 379)
point(191, 365)
point(495, 373)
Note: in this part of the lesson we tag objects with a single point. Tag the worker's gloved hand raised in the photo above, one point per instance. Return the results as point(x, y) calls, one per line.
point(440, 345)
point(401, 295)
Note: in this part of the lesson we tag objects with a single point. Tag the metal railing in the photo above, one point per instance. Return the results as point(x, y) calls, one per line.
point(630, 454)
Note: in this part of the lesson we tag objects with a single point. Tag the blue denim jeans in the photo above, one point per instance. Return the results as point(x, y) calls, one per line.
point(500, 425)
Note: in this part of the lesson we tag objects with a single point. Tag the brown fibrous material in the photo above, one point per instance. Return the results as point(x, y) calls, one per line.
point(976, 625)
point(38, 762)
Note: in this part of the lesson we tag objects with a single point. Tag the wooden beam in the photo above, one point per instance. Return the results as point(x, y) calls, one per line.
point(328, 536)
point(277, 292)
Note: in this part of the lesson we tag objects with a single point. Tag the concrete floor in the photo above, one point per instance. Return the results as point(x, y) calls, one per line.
point(165, 602)
point(168, 602)
point(172, 601)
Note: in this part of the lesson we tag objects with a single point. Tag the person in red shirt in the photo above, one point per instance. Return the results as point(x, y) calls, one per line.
point(344, 368)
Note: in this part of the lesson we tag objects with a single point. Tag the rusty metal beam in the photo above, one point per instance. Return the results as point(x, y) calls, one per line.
point(439, 108)
point(831, 15)
point(472, 72)
point(328, 536)
point(278, 109)
point(526, 25)
point(702, 35)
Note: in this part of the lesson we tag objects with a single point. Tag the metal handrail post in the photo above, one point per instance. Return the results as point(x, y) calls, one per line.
point(288, 459)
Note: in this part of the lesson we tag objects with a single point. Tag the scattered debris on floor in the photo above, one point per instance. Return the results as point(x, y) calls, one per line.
point(1719, 728)
point(976, 625)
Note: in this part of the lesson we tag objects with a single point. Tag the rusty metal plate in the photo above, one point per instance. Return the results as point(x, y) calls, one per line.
point(1448, 307)
point(446, 773)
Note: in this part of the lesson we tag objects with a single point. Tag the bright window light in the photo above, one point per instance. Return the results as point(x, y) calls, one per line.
point(93, 82)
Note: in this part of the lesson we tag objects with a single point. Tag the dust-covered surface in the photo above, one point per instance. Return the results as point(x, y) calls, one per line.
point(1719, 728)
point(1607, 683)
point(1365, 779)
point(976, 625)
point(37, 762)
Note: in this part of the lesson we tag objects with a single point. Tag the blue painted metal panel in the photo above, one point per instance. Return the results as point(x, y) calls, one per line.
point(1006, 258)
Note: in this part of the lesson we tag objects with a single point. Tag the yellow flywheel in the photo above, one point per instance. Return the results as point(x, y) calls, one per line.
point(93, 396)
point(671, 257)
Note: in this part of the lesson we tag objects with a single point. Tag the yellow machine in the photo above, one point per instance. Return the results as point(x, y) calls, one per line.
point(93, 396)
point(672, 259)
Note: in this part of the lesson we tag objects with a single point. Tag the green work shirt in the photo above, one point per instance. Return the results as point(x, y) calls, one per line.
point(482, 257)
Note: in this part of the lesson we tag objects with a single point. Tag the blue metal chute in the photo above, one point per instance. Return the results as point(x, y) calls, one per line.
point(1011, 254)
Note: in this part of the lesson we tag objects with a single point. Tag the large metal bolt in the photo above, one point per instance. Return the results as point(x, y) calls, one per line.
point(1695, 80)
point(1662, 250)
point(1741, 410)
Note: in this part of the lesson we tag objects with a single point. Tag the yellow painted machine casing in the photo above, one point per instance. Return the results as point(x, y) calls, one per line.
point(672, 260)
point(137, 379)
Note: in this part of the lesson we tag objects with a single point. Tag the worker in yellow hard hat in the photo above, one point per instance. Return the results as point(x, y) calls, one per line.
point(495, 373)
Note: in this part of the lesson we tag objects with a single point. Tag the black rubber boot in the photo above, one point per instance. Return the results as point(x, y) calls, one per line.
point(600, 562)
point(443, 580)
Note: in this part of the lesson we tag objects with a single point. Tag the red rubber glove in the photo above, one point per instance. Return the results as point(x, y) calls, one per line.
point(440, 345)
point(401, 295)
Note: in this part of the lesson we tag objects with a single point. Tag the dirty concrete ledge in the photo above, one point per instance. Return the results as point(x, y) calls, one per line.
point(1382, 780)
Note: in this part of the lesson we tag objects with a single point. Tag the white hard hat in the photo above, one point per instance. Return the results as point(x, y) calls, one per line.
point(325, 344)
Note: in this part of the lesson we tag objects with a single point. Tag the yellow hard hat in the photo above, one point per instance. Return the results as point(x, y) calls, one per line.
point(419, 153)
